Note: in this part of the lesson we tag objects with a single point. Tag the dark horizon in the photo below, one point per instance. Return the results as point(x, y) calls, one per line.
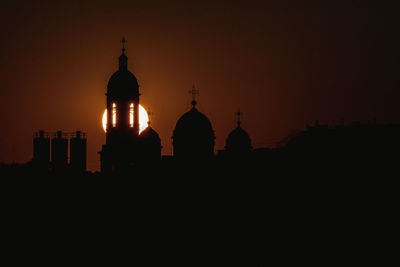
point(284, 64)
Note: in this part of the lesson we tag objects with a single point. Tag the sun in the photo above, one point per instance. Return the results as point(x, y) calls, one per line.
point(143, 119)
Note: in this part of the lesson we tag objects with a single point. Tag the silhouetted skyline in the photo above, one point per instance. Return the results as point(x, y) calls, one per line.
point(284, 63)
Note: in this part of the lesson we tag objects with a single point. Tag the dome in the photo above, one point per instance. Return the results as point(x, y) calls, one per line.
point(123, 84)
point(193, 135)
point(238, 140)
point(150, 135)
point(193, 123)
point(151, 145)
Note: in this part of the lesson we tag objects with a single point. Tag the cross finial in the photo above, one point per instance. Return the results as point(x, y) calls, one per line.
point(238, 114)
point(123, 42)
point(194, 92)
point(150, 115)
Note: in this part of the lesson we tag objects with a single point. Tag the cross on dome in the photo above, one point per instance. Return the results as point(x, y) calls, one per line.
point(238, 114)
point(123, 42)
point(150, 115)
point(194, 92)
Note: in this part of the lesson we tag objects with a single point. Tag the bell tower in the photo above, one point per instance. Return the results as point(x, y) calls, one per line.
point(122, 148)
point(122, 99)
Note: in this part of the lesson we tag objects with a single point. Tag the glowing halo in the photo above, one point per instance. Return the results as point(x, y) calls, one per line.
point(143, 119)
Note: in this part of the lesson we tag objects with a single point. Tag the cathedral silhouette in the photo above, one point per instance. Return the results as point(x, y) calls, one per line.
point(193, 138)
point(130, 149)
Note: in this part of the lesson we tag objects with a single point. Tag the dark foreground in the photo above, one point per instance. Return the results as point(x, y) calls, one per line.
point(303, 211)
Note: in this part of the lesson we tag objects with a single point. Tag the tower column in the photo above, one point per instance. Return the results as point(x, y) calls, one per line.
point(136, 116)
point(109, 116)
point(123, 145)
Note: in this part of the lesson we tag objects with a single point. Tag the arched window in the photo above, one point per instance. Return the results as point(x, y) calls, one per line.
point(131, 115)
point(114, 115)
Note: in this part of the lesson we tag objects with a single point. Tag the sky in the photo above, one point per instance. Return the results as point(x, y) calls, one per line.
point(286, 64)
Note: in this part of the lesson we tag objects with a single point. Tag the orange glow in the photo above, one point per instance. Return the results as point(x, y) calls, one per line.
point(131, 115)
point(114, 115)
point(143, 118)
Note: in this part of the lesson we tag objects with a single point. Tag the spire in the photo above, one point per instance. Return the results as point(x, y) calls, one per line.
point(238, 114)
point(194, 92)
point(123, 59)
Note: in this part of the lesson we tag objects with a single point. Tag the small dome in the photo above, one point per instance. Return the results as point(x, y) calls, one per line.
point(238, 140)
point(151, 145)
point(123, 84)
point(193, 135)
point(150, 135)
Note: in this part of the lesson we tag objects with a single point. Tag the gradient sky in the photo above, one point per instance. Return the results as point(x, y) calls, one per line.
point(284, 63)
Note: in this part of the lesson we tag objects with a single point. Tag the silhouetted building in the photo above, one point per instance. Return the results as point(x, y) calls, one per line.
point(78, 151)
point(357, 146)
point(124, 147)
point(151, 145)
point(41, 149)
point(238, 143)
point(59, 151)
point(193, 137)
point(57, 144)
